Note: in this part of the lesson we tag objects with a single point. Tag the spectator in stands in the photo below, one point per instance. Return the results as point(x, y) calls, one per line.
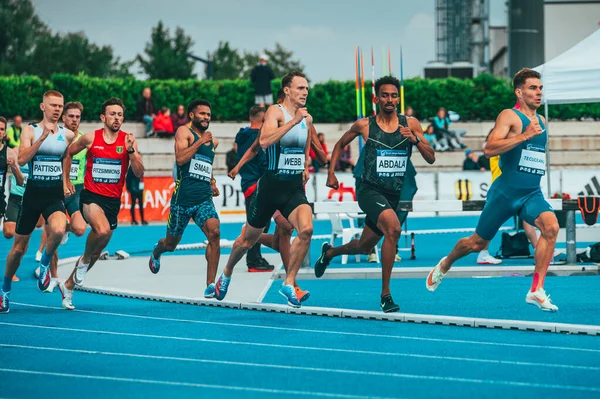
point(316, 165)
point(432, 138)
point(409, 111)
point(13, 132)
point(162, 123)
point(345, 161)
point(474, 161)
point(441, 124)
point(261, 77)
point(231, 158)
point(180, 118)
point(146, 110)
point(135, 186)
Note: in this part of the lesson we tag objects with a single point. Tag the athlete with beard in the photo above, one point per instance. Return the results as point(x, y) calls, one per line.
point(109, 152)
point(195, 188)
point(389, 138)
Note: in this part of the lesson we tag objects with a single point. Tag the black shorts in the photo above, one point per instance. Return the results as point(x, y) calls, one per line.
point(275, 195)
point(38, 201)
point(12, 208)
point(109, 205)
point(373, 201)
point(248, 202)
point(72, 201)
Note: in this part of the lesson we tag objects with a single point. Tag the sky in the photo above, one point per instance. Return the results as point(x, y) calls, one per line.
point(321, 33)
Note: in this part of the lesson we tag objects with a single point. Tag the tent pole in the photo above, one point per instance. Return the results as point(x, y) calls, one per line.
point(547, 149)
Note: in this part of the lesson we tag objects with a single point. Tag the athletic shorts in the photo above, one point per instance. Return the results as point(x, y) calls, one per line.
point(266, 99)
point(180, 216)
point(109, 205)
point(73, 200)
point(249, 201)
point(38, 201)
point(275, 195)
point(12, 208)
point(504, 202)
point(372, 202)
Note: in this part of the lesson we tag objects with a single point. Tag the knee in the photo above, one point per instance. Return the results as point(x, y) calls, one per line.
point(56, 231)
point(8, 234)
point(102, 231)
point(78, 230)
point(365, 249)
point(305, 233)
point(393, 232)
point(550, 231)
point(214, 235)
point(18, 251)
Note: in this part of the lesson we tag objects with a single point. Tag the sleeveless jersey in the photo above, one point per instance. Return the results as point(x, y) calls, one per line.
point(106, 166)
point(15, 189)
point(78, 165)
point(254, 168)
point(524, 165)
point(285, 159)
point(45, 168)
point(386, 157)
point(3, 168)
point(192, 186)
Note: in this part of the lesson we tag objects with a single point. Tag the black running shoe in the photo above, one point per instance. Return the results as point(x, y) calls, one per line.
point(260, 265)
point(323, 261)
point(388, 305)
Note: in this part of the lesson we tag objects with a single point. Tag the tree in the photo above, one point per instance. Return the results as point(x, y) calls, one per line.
point(167, 57)
point(226, 62)
point(19, 29)
point(73, 53)
point(281, 62)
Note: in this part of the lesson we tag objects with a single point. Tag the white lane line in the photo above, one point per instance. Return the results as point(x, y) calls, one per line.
point(337, 333)
point(372, 373)
point(183, 384)
point(310, 348)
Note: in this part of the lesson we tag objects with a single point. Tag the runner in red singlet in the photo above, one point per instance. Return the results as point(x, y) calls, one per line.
point(109, 152)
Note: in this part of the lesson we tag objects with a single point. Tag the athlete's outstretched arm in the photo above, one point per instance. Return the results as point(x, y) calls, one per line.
point(271, 132)
point(360, 127)
point(248, 155)
point(499, 141)
point(305, 173)
point(315, 144)
point(28, 148)
point(183, 151)
point(74, 148)
point(14, 167)
point(423, 146)
point(135, 158)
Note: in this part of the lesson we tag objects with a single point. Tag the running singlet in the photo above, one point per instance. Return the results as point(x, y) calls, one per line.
point(106, 166)
point(3, 167)
point(15, 189)
point(386, 157)
point(254, 168)
point(524, 165)
point(45, 168)
point(192, 186)
point(285, 159)
point(78, 165)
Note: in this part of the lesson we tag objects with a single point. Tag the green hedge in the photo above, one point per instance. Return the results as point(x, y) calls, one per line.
point(481, 98)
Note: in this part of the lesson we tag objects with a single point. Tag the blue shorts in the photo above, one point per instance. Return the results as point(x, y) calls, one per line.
point(504, 202)
point(180, 216)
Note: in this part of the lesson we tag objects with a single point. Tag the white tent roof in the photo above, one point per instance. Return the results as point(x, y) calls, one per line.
point(574, 76)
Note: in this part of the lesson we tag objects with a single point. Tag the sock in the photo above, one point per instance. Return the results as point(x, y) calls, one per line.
point(534, 284)
point(45, 261)
point(82, 265)
point(6, 286)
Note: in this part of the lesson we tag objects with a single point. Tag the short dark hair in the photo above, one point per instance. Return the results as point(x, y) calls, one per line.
point(112, 101)
point(280, 95)
point(386, 80)
point(255, 110)
point(3, 120)
point(195, 104)
point(522, 76)
point(73, 105)
point(286, 81)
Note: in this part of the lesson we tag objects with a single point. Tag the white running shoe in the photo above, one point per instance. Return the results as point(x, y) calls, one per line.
point(80, 273)
point(53, 284)
point(397, 258)
point(435, 277)
point(38, 256)
point(541, 300)
point(484, 258)
point(65, 238)
point(67, 296)
point(372, 258)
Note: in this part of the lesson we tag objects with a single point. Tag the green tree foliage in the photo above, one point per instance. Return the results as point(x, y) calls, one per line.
point(166, 56)
point(281, 61)
point(226, 62)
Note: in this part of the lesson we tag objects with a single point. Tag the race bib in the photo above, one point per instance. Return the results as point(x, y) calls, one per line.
point(391, 163)
point(106, 170)
point(201, 168)
point(141, 186)
point(533, 161)
point(47, 168)
point(291, 161)
point(74, 170)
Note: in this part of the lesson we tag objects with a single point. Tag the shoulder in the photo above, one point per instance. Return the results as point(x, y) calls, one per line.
point(414, 123)
point(215, 142)
point(182, 132)
point(542, 118)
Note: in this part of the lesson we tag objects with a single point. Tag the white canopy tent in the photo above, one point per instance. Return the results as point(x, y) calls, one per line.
point(571, 78)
